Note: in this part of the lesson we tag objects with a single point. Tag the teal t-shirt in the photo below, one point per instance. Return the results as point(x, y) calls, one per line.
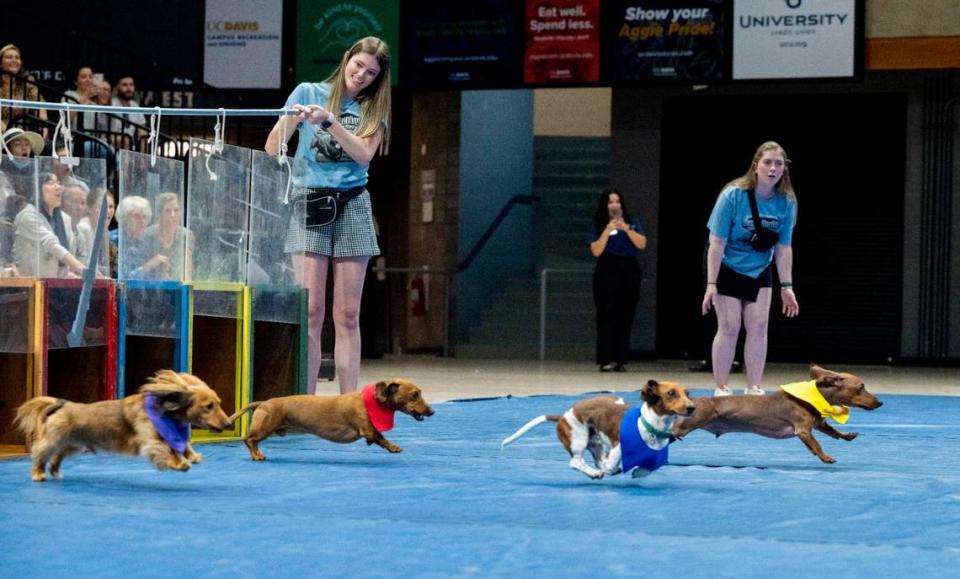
point(319, 160)
point(732, 220)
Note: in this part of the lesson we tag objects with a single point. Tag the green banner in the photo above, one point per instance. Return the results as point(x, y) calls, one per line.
point(327, 28)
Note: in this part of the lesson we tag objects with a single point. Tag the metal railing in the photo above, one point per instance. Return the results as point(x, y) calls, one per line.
point(544, 273)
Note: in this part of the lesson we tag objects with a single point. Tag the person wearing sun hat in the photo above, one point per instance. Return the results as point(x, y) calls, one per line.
point(22, 143)
point(18, 170)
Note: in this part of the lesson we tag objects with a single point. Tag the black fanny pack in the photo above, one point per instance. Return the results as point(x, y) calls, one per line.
point(762, 239)
point(324, 206)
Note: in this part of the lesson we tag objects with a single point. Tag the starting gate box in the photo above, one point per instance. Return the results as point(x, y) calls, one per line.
point(220, 346)
point(154, 331)
point(85, 370)
point(37, 356)
point(21, 350)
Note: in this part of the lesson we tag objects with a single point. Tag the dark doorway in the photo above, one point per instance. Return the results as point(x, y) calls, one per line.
point(847, 155)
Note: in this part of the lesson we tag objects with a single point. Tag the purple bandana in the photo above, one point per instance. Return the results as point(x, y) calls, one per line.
point(175, 434)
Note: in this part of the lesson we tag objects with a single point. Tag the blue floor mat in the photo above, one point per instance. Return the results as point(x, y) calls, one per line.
point(453, 504)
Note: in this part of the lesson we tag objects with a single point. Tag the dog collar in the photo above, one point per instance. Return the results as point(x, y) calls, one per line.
point(175, 434)
point(380, 415)
point(653, 430)
point(809, 393)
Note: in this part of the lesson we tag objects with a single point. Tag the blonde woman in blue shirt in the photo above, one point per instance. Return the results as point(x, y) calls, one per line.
point(342, 122)
point(739, 257)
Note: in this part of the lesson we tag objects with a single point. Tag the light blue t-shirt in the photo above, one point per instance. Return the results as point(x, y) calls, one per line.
point(323, 163)
point(732, 220)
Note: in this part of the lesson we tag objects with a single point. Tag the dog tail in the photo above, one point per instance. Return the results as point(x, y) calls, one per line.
point(526, 427)
point(33, 413)
point(244, 410)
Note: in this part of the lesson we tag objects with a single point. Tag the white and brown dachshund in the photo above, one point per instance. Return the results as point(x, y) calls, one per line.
point(619, 437)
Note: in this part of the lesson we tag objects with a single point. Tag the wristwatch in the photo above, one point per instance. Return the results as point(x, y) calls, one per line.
point(327, 123)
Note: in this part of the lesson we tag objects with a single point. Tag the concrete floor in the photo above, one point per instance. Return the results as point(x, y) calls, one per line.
point(452, 378)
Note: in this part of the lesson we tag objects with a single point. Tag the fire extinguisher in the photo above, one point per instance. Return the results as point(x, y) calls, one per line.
point(418, 296)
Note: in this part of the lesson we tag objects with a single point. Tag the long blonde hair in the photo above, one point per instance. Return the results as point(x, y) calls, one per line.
point(748, 180)
point(374, 100)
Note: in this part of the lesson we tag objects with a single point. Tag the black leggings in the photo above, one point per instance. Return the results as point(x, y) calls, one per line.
point(616, 289)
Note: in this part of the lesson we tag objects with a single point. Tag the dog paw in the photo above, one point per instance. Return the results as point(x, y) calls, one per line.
point(39, 477)
point(258, 457)
point(850, 435)
point(178, 464)
point(196, 458)
point(394, 448)
point(828, 459)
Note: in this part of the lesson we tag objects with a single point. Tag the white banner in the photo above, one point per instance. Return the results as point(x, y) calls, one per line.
point(243, 40)
point(794, 39)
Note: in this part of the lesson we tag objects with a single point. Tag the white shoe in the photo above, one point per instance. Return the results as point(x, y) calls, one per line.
point(722, 391)
point(754, 390)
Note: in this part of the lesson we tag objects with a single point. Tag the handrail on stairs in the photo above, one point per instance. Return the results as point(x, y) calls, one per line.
point(515, 200)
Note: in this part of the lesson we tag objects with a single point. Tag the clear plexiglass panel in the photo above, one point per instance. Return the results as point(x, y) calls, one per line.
point(270, 272)
point(20, 235)
point(152, 240)
point(217, 211)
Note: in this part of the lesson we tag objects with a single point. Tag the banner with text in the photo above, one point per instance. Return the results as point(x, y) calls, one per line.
point(243, 43)
point(794, 39)
point(665, 40)
point(562, 41)
point(464, 44)
point(328, 28)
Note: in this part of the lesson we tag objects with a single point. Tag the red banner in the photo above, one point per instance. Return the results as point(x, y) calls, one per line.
point(562, 41)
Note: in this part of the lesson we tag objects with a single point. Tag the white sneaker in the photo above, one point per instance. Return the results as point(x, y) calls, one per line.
point(722, 391)
point(754, 390)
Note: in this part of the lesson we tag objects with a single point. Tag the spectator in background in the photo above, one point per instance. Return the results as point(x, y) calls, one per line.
point(615, 239)
point(43, 235)
point(83, 94)
point(170, 240)
point(131, 135)
point(74, 204)
point(134, 215)
point(17, 84)
point(102, 95)
point(108, 251)
point(19, 171)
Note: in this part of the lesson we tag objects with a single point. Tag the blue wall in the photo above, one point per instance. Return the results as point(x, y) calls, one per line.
point(496, 163)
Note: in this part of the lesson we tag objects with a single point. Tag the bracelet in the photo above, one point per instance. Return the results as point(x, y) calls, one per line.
point(711, 283)
point(786, 285)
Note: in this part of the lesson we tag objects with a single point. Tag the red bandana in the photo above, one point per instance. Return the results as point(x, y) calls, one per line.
point(380, 415)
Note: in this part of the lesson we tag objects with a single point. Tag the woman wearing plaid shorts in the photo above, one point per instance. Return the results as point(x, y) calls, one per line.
point(342, 123)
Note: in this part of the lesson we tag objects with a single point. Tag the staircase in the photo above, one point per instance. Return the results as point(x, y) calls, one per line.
point(568, 175)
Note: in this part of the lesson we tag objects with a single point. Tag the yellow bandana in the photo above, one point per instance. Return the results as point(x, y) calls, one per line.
point(807, 391)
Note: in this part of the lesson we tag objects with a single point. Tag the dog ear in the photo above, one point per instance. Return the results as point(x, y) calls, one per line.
point(649, 392)
point(386, 390)
point(173, 401)
point(830, 380)
point(816, 372)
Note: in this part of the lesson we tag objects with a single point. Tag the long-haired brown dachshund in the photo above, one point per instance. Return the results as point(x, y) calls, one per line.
point(154, 423)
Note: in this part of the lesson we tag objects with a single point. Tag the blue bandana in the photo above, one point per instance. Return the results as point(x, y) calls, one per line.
point(634, 452)
point(174, 433)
